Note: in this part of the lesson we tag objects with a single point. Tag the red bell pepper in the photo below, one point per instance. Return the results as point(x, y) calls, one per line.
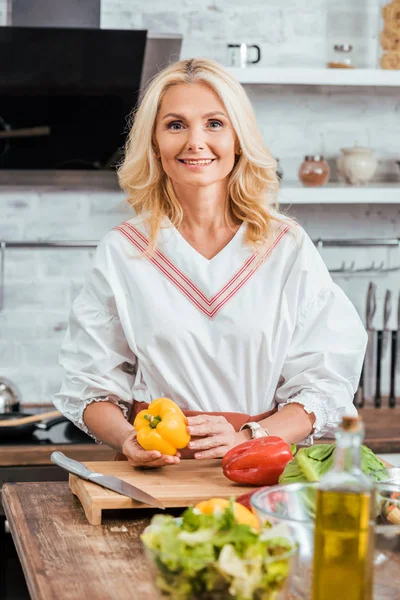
point(244, 499)
point(257, 462)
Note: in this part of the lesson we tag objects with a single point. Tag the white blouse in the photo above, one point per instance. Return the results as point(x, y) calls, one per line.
point(242, 332)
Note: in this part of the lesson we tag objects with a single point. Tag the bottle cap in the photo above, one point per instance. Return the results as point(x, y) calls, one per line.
point(351, 423)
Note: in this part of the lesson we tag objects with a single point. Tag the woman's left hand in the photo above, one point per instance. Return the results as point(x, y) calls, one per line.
point(212, 436)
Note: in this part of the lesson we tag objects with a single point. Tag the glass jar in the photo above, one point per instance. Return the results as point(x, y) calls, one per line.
point(314, 171)
point(341, 57)
point(389, 35)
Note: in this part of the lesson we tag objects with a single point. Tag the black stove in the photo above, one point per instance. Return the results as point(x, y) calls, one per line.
point(60, 433)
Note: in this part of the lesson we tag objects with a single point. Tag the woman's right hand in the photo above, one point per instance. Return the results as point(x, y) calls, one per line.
point(138, 457)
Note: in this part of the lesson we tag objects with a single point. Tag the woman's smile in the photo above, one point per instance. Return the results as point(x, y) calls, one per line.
point(196, 164)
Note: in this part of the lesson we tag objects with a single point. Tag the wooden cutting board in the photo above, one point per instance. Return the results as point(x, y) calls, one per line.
point(177, 486)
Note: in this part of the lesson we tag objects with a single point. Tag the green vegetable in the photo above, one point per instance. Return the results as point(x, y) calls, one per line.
point(204, 557)
point(311, 463)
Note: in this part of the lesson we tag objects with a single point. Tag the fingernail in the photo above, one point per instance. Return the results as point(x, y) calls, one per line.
point(197, 455)
point(190, 429)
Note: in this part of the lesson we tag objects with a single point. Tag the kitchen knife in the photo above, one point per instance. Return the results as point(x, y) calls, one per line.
point(386, 316)
point(107, 481)
point(398, 337)
point(382, 346)
point(369, 360)
point(393, 360)
point(378, 399)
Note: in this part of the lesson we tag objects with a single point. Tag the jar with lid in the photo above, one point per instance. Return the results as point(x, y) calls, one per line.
point(314, 171)
point(389, 35)
point(341, 57)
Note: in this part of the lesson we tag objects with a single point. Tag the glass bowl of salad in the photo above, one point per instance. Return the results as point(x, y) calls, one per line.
point(292, 507)
point(212, 557)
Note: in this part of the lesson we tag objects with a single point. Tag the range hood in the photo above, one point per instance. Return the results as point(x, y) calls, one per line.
point(67, 86)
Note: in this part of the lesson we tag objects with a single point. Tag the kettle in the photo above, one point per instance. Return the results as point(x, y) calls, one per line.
point(10, 396)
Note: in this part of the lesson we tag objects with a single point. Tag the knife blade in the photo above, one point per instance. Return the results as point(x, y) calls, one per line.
point(393, 359)
point(107, 481)
point(386, 316)
point(370, 355)
point(398, 337)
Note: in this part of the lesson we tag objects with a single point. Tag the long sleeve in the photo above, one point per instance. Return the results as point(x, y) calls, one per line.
point(324, 362)
point(98, 363)
point(322, 366)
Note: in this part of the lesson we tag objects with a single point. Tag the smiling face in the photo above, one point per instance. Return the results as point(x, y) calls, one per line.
point(194, 136)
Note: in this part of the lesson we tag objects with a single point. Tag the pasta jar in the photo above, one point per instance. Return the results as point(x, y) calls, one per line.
point(314, 171)
point(389, 35)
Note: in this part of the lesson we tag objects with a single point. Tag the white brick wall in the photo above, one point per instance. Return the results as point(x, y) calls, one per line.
point(40, 284)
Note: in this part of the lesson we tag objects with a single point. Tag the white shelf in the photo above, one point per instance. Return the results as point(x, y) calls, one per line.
point(339, 193)
point(316, 76)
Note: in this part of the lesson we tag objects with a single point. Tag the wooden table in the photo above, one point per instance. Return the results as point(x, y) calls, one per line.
point(65, 558)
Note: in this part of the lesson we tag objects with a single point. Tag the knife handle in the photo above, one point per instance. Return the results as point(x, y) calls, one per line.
point(378, 399)
point(392, 395)
point(70, 465)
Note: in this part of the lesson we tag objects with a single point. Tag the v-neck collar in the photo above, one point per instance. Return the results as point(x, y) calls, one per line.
point(229, 277)
point(182, 241)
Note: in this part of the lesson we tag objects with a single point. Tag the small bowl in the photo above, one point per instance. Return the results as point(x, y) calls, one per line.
point(293, 507)
point(171, 581)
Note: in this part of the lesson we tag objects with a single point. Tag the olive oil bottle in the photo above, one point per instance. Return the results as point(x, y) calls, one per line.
point(344, 523)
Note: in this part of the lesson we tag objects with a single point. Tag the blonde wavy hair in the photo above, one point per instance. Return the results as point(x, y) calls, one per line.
point(253, 183)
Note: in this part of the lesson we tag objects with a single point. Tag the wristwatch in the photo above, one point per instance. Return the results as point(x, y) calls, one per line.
point(256, 430)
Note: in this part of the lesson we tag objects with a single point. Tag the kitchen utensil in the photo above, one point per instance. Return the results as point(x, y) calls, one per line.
point(378, 399)
point(24, 420)
point(25, 132)
point(109, 482)
point(387, 311)
point(369, 360)
point(10, 396)
point(382, 343)
point(292, 506)
point(15, 425)
point(239, 54)
point(180, 485)
point(2, 268)
point(393, 359)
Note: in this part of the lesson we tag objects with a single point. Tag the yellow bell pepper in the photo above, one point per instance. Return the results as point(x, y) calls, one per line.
point(242, 515)
point(162, 426)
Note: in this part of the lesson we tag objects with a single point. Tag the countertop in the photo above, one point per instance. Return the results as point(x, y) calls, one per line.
point(382, 428)
point(21, 456)
point(64, 557)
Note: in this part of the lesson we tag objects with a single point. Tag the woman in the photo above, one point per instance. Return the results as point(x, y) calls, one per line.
point(208, 295)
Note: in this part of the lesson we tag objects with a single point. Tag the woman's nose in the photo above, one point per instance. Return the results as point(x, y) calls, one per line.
point(195, 140)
